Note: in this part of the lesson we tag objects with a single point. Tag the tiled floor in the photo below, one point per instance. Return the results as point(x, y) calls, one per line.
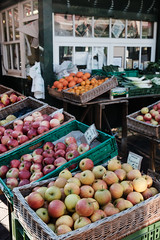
point(4, 219)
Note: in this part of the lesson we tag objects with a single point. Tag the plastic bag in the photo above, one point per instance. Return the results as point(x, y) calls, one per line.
point(65, 69)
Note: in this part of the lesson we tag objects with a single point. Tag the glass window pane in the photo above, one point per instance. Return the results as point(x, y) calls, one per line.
point(118, 28)
point(65, 54)
point(118, 58)
point(63, 24)
point(4, 26)
point(83, 57)
point(147, 30)
point(101, 27)
point(145, 57)
point(27, 9)
point(16, 23)
point(8, 56)
point(99, 57)
point(10, 25)
point(35, 7)
point(83, 26)
point(132, 57)
point(133, 29)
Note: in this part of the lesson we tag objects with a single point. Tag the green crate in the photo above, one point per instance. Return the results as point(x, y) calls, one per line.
point(18, 232)
point(106, 150)
point(151, 232)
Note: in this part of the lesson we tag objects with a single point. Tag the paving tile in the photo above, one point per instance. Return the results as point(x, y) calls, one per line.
point(5, 222)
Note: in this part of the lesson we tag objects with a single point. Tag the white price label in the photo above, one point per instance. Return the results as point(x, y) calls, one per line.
point(59, 110)
point(134, 160)
point(91, 134)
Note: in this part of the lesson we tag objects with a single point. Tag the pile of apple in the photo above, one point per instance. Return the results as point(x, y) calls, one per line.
point(43, 160)
point(71, 202)
point(6, 100)
point(28, 128)
point(150, 116)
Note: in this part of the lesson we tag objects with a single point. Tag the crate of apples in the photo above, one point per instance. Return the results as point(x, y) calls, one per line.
point(93, 195)
point(146, 120)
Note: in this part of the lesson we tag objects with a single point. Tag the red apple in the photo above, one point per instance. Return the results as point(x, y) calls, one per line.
point(110, 177)
point(98, 215)
point(103, 196)
point(3, 170)
point(37, 159)
point(28, 119)
point(84, 207)
point(147, 117)
point(69, 140)
point(56, 208)
point(99, 184)
point(36, 114)
point(86, 164)
point(87, 177)
point(22, 139)
point(48, 168)
point(54, 123)
point(116, 190)
point(17, 122)
point(59, 161)
point(48, 146)
point(71, 188)
point(158, 105)
point(35, 176)
point(8, 132)
point(13, 98)
point(11, 182)
point(37, 151)
point(36, 167)
point(48, 160)
point(60, 145)
point(32, 133)
point(83, 147)
point(24, 174)
point(72, 146)
point(36, 124)
point(23, 182)
point(48, 153)
point(14, 163)
point(3, 148)
point(25, 165)
point(59, 116)
point(46, 117)
point(2, 129)
point(81, 222)
point(135, 197)
point(12, 143)
point(5, 99)
point(60, 153)
point(86, 191)
point(42, 129)
point(18, 128)
point(12, 172)
point(35, 200)
point(5, 139)
point(71, 155)
point(26, 157)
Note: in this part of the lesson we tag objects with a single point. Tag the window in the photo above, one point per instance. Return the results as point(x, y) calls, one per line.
point(12, 40)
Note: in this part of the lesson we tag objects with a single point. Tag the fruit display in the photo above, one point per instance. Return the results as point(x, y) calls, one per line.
point(86, 85)
point(7, 99)
point(41, 161)
point(150, 115)
point(70, 202)
point(28, 128)
point(70, 81)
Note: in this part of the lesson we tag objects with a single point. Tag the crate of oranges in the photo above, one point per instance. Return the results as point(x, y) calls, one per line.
point(87, 89)
point(67, 82)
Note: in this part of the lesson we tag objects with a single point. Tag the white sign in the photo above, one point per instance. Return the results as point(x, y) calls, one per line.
point(59, 110)
point(134, 160)
point(91, 134)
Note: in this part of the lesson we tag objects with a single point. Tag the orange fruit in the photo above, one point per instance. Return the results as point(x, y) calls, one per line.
point(87, 75)
point(52, 87)
point(59, 89)
point(69, 78)
point(87, 82)
point(61, 80)
point(84, 77)
point(72, 74)
point(83, 83)
point(60, 85)
point(71, 83)
point(65, 83)
point(55, 83)
point(79, 80)
point(79, 74)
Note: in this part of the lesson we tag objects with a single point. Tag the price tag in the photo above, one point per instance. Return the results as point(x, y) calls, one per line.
point(58, 111)
point(134, 160)
point(91, 134)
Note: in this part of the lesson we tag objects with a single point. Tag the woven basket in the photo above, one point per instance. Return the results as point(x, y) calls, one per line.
point(28, 102)
point(4, 89)
point(55, 93)
point(110, 228)
point(93, 93)
point(142, 127)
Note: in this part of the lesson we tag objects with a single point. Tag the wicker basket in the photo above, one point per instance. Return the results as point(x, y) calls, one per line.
point(93, 93)
point(4, 89)
point(142, 127)
point(28, 103)
point(55, 93)
point(110, 228)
